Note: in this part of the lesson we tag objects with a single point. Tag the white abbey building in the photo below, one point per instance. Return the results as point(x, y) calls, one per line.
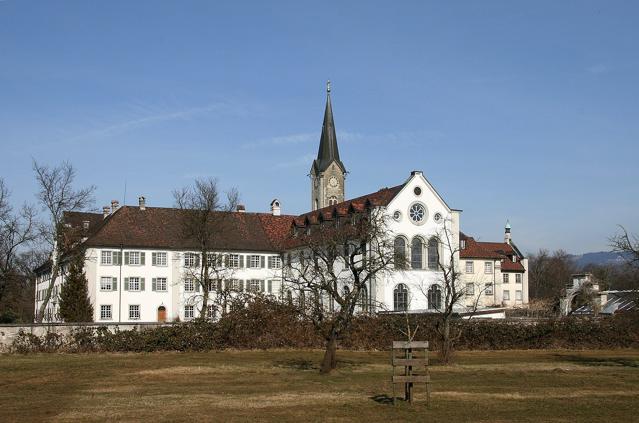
point(138, 263)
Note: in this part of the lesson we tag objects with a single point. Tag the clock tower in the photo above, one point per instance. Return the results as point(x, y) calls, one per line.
point(328, 173)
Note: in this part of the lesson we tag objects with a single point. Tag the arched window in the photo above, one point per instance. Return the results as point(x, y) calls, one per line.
point(346, 291)
point(400, 298)
point(363, 299)
point(433, 254)
point(332, 201)
point(416, 253)
point(400, 253)
point(301, 299)
point(435, 297)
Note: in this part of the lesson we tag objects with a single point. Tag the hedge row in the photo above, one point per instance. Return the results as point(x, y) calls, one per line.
point(265, 324)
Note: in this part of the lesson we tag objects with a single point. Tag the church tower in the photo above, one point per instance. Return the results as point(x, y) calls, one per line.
point(328, 173)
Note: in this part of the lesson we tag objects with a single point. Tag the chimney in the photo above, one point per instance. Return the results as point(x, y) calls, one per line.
point(240, 208)
point(115, 204)
point(416, 172)
point(275, 207)
point(106, 211)
point(142, 202)
point(507, 237)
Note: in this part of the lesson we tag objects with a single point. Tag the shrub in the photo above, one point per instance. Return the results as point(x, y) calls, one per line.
point(25, 343)
point(262, 323)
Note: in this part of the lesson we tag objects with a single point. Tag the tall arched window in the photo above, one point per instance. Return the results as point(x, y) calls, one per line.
point(417, 253)
point(435, 297)
point(433, 254)
point(363, 299)
point(400, 298)
point(400, 253)
point(301, 299)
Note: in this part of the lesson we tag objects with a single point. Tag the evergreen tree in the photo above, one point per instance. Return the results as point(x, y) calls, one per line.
point(75, 305)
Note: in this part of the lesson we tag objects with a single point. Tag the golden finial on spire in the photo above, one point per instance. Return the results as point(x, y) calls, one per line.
point(328, 86)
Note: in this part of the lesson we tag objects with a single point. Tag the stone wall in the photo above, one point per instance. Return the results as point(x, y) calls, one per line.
point(9, 332)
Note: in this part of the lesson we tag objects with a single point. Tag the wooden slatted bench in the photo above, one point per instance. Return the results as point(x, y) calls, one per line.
point(413, 357)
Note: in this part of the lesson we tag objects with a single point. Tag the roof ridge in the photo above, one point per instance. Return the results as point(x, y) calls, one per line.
point(361, 197)
point(213, 211)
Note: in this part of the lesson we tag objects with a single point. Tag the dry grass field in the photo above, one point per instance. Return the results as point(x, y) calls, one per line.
point(284, 386)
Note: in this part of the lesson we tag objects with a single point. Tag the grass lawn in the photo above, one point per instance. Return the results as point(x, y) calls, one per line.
point(505, 386)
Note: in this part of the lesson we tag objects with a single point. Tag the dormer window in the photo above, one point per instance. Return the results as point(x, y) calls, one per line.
point(462, 244)
point(514, 259)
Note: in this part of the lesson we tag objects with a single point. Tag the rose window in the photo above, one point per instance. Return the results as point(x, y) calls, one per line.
point(417, 213)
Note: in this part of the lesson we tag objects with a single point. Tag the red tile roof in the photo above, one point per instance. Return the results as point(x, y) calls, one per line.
point(492, 250)
point(157, 227)
point(474, 249)
point(508, 266)
point(358, 204)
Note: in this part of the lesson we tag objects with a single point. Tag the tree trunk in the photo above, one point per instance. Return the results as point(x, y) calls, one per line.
point(446, 347)
point(204, 282)
point(329, 362)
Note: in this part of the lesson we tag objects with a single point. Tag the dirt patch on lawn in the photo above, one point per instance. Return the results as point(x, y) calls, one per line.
point(178, 371)
point(474, 396)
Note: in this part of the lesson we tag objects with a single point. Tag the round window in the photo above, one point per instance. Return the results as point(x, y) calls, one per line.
point(397, 215)
point(417, 213)
point(417, 191)
point(437, 217)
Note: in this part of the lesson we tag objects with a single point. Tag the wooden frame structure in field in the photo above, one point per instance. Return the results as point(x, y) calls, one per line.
point(412, 356)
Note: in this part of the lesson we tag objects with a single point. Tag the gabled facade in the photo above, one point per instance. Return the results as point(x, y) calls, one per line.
point(138, 264)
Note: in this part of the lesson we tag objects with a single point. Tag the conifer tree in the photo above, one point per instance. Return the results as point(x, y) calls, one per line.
point(75, 305)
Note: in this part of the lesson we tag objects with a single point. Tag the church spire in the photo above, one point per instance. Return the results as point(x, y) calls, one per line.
point(328, 150)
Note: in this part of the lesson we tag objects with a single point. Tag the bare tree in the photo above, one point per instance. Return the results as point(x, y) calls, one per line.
point(452, 292)
point(57, 195)
point(17, 232)
point(627, 244)
point(333, 266)
point(205, 217)
point(453, 295)
point(549, 274)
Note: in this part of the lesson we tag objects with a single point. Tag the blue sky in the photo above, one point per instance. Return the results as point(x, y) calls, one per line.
point(520, 110)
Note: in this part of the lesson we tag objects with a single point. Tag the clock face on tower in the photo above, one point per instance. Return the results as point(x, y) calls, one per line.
point(333, 182)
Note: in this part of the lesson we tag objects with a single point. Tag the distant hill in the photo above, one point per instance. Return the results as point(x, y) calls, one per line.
point(599, 258)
